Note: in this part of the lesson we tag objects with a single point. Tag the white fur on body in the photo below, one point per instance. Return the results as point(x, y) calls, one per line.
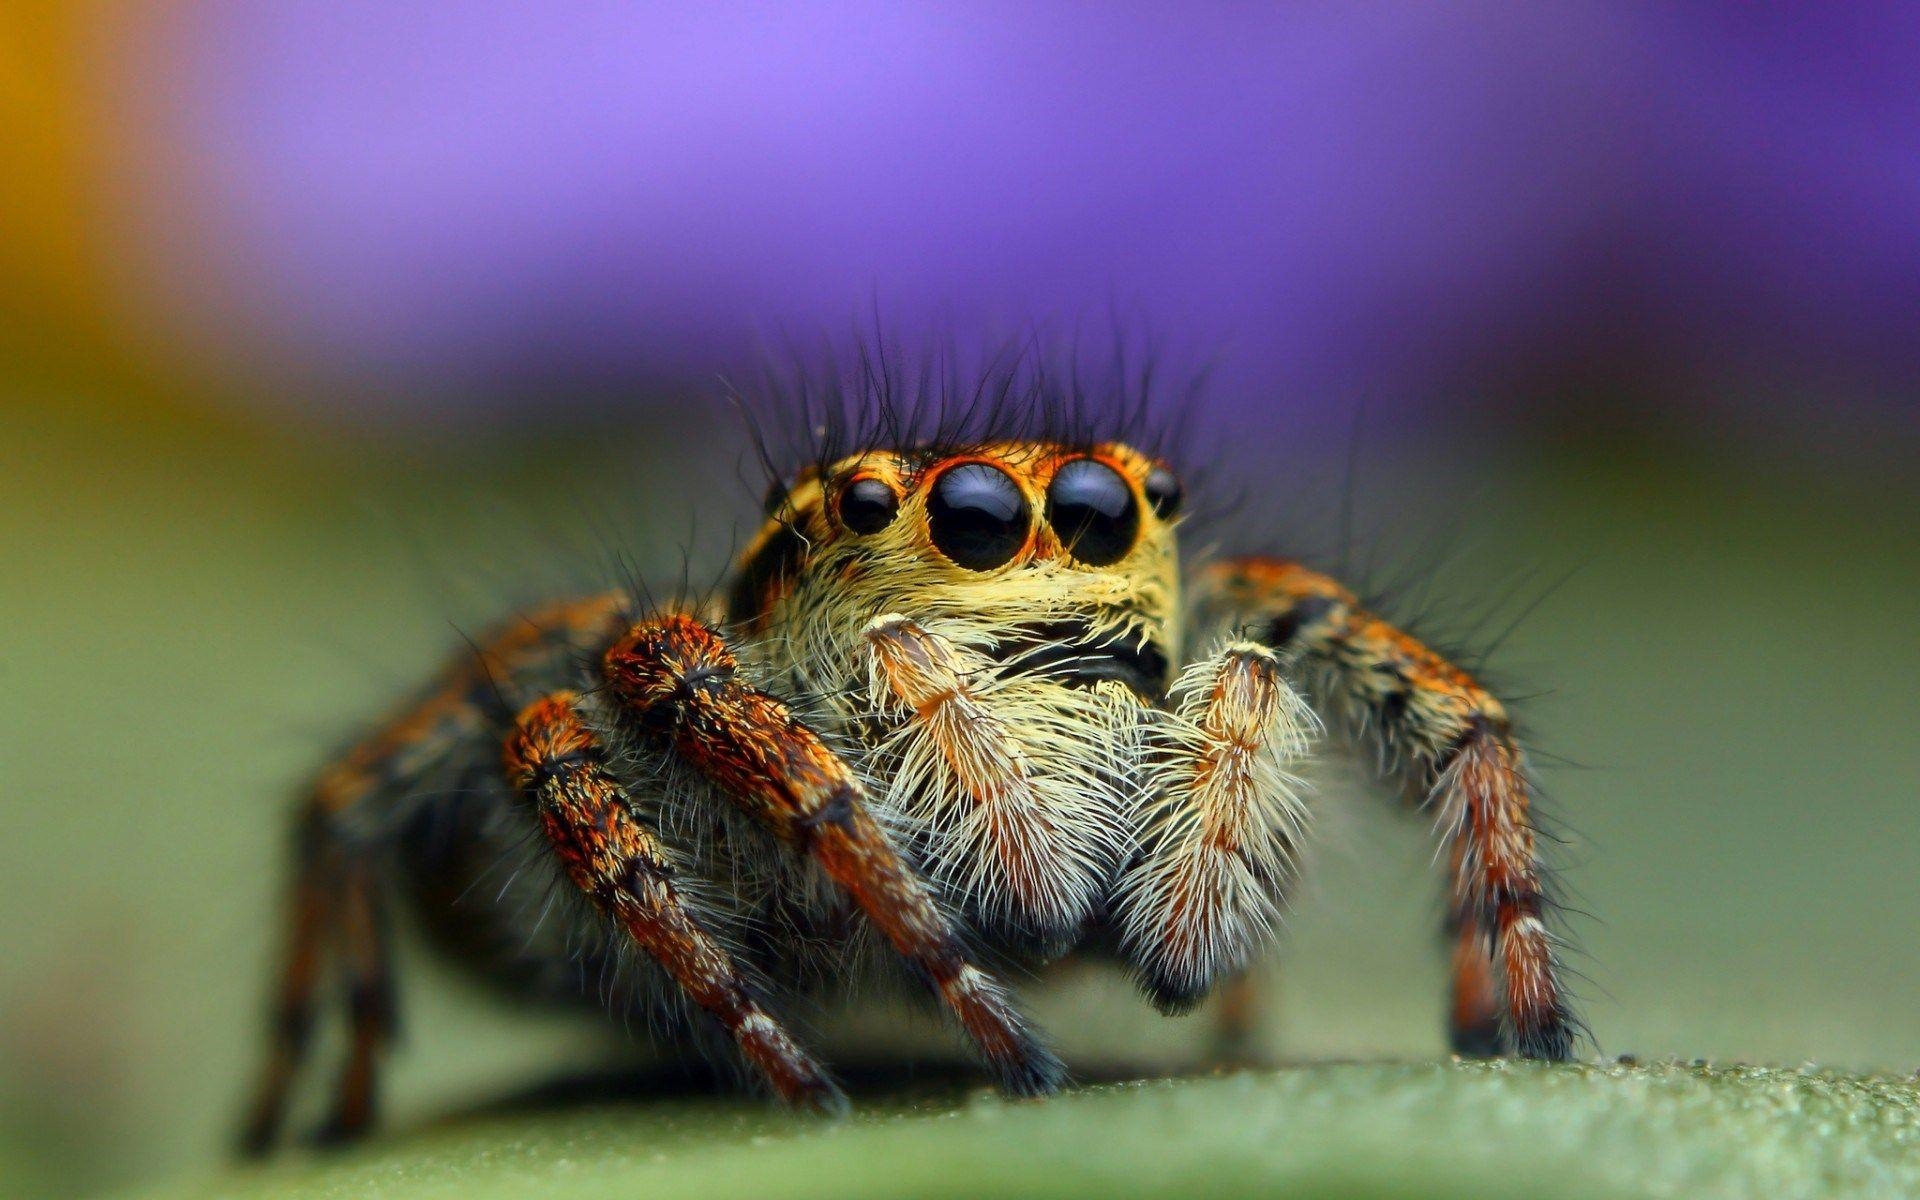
point(1108, 808)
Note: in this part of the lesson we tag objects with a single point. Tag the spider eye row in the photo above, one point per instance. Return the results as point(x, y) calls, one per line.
point(979, 519)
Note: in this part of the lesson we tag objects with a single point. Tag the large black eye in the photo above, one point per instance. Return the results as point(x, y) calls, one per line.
point(977, 516)
point(1091, 507)
point(867, 505)
point(1163, 492)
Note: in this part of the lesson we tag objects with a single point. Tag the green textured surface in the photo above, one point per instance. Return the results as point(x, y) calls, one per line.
point(1335, 1131)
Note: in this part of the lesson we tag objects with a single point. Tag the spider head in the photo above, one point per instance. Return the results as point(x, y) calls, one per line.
point(1015, 543)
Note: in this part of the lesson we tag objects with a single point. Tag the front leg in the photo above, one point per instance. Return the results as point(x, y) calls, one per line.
point(1451, 744)
point(558, 763)
point(1223, 825)
point(680, 683)
point(1033, 846)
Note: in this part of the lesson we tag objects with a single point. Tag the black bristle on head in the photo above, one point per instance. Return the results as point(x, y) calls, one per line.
point(811, 413)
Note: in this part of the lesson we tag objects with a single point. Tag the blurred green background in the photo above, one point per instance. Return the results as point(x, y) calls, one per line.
point(209, 577)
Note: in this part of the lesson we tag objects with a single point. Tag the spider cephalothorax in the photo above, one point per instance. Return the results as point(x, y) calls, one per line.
point(994, 625)
point(954, 700)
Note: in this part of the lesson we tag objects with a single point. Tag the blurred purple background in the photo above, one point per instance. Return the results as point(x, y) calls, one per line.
point(1708, 206)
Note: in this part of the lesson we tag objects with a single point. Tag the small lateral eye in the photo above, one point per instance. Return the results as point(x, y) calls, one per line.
point(977, 516)
point(1164, 492)
point(867, 505)
point(1091, 507)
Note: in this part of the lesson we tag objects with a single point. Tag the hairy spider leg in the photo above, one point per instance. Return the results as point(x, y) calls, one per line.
point(1451, 744)
point(337, 925)
point(1020, 843)
point(310, 907)
point(336, 913)
point(678, 679)
point(1473, 1018)
point(559, 764)
point(365, 948)
point(1224, 826)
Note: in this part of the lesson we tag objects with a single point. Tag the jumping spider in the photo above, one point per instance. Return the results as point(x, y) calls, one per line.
point(956, 702)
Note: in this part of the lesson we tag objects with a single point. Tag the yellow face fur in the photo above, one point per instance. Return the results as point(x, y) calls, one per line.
point(813, 563)
point(998, 627)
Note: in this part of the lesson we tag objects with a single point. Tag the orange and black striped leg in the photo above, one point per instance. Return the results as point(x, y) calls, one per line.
point(335, 920)
point(679, 683)
point(290, 1033)
point(1449, 742)
point(558, 763)
point(1473, 1017)
point(1484, 800)
point(365, 954)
